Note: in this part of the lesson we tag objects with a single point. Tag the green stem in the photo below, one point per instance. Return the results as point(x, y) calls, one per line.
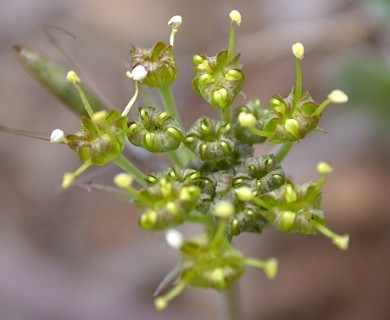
point(262, 203)
point(231, 303)
point(226, 114)
point(206, 221)
point(187, 153)
point(175, 158)
point(219, 235)
point(261, 133)
point(169, 103)
point(283, 151)
point(126, 165)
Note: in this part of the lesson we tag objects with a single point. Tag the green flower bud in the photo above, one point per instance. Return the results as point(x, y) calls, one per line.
point(289, 120)
point(218, 277)
point(247, 218)
point(166, 204)
point(233, 75)
point(295, 208)
point(247, 120)
point(244, 194)
point(159, 63)
point(197, 59)
point(247, 117)
point(287, 220)
point(219, 98)
point(155, 130)
point(270, 181)
point(204, 66)
point(184, 175)
point(292, 126)
point(217, 80)
point(100, 142)
point(223, 209)
point(205, 79)
point(291, 195)
point(210, 139)
point(278, 105)
point(123, 180)
point(207, 264)
point(258, 167)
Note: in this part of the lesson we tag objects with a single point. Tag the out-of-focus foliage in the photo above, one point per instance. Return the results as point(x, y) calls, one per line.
point(366, 78)
point(365, 75)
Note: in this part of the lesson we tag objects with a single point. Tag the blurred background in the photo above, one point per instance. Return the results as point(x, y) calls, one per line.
point(79, 255)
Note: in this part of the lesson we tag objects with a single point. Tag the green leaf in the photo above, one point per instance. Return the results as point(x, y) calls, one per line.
point(53, 78)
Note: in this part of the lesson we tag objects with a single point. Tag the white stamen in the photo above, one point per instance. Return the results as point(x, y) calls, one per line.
point(235, 16)
point(57, 136)
point(139, 73)
point(175, 21)
point(298, 50)
point(174, 238)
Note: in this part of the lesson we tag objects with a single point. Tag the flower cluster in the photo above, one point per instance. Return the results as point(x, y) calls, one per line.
point(216, 179)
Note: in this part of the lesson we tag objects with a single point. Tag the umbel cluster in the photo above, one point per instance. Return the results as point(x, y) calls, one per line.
point(216, 179)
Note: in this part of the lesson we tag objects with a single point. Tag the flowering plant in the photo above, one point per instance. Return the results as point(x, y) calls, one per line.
point(216, 179)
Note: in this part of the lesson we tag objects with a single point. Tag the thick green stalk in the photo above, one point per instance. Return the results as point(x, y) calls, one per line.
point(231, 303)
point(184, 154)
point(226, 114)
point(175, 158)
point(283, 151)
point(126, 165)
point(169, 103)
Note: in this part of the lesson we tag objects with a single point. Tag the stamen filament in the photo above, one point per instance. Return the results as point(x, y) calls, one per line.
point(84, 100)
point(231, 42)
point(131, 102)
point(298, 81)
point(162, 302)
point(321, 107)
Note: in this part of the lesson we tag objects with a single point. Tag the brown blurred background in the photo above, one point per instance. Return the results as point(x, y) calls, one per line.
point(80, 256)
